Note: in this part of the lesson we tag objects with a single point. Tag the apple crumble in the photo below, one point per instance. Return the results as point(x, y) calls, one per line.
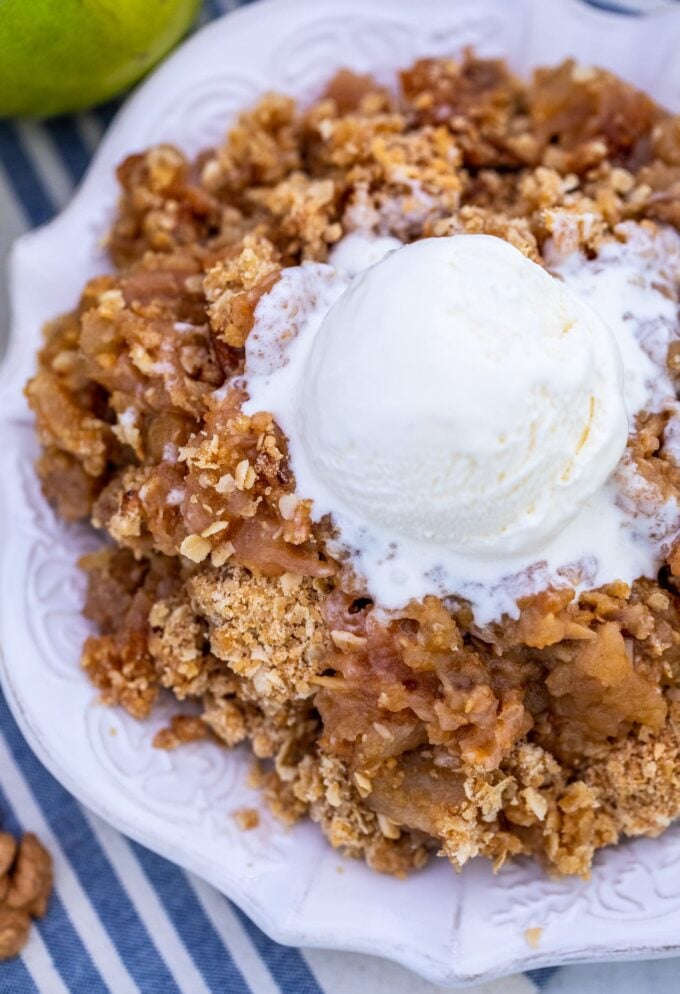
point(551, 729)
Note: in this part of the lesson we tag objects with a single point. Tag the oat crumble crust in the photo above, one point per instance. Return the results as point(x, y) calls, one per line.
point(552, 735)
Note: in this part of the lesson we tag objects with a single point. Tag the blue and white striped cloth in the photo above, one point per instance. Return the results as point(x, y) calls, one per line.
point(123, 920)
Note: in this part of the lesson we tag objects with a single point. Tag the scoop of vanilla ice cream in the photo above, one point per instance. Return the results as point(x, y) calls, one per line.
point(458, 394)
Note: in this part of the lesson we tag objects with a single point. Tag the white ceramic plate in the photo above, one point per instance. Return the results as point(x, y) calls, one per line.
point(452, 929)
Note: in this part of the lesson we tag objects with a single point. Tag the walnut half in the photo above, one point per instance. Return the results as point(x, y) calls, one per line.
point(25, 887)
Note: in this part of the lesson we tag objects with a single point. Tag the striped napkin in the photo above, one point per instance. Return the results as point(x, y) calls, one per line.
point(123, 920)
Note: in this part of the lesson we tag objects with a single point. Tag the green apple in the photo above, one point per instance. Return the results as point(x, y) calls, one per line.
point(63, 55)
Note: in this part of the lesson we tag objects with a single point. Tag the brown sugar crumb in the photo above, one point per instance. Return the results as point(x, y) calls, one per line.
point(401, 734)
point(25, 888)
point(183, 728)
point(234, 285)
point(267, 630)
point(247, 819)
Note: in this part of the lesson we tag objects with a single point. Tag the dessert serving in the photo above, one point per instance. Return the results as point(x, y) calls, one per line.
point(379, 410)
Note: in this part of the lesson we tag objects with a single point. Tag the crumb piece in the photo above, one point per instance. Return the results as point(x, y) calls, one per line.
point(195, 547)
point(247, 819)
point(183, 728)
point(532, 937)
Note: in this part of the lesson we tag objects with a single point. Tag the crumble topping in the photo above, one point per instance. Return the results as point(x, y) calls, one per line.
point(403, 733)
